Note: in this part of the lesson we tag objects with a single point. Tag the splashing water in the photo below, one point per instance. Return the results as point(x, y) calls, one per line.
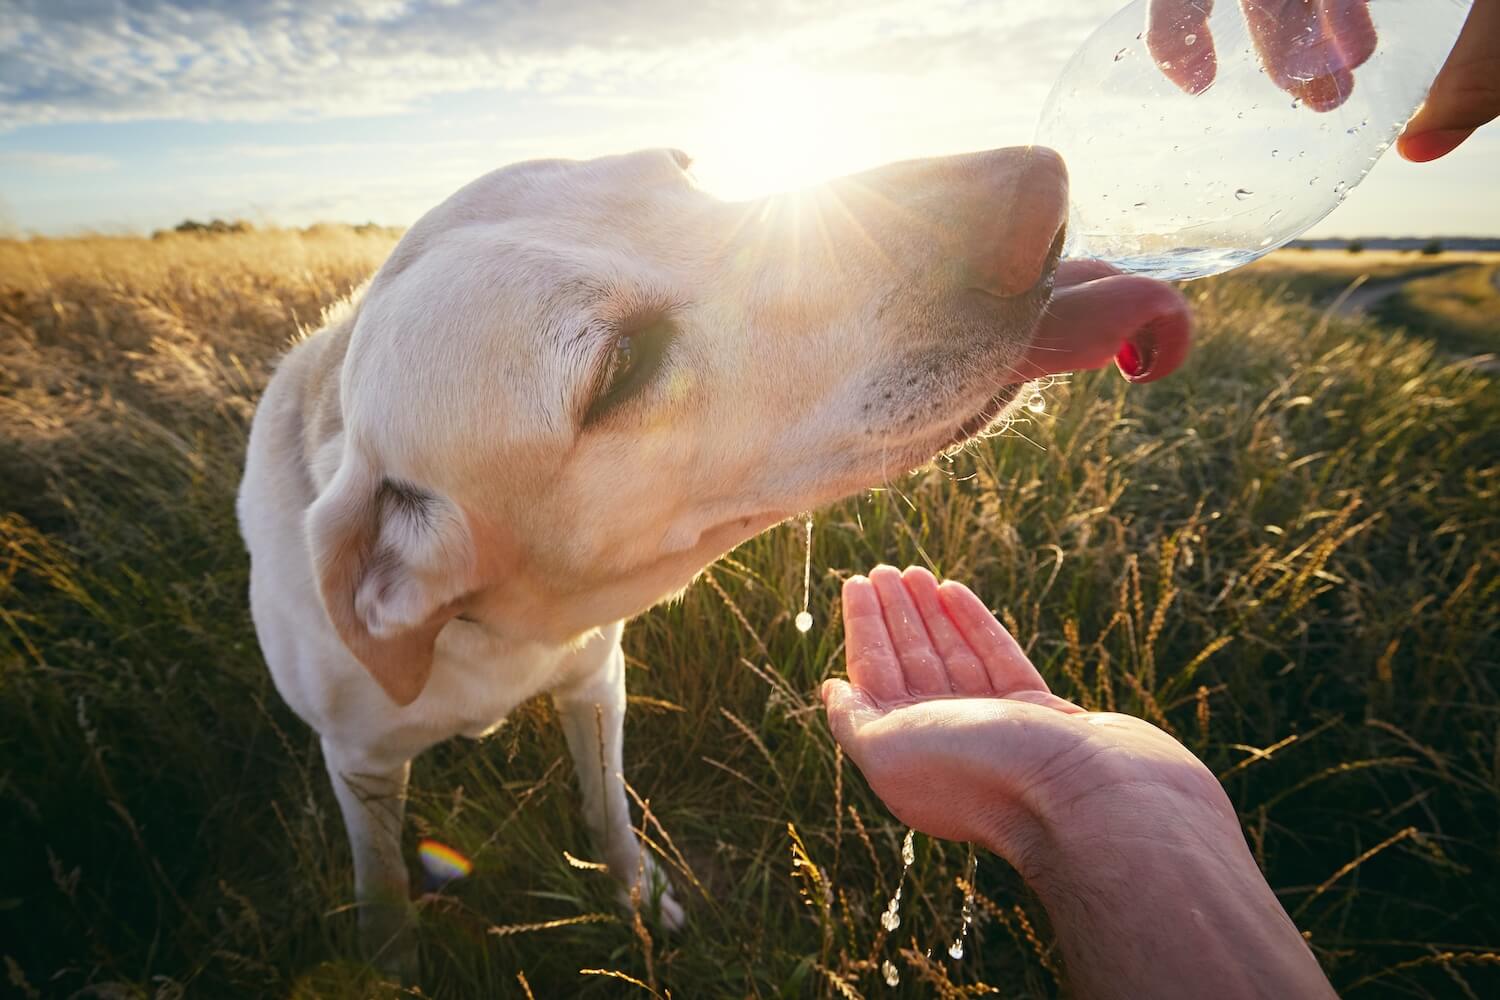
point(891, 918)
point(956, 949)
point(892, 977)
point(804, 617)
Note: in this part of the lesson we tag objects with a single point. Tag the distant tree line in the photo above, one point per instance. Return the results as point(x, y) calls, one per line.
point(221, 227)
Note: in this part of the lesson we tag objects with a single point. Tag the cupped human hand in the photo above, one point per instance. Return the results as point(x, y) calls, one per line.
point(956, 731)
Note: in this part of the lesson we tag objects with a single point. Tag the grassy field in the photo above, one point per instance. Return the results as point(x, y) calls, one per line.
point(1452, 299)
point(1288, 555)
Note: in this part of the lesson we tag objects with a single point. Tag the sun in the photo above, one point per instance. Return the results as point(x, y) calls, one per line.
point(771, 126)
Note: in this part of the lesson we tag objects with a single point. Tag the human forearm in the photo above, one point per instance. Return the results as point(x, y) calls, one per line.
point(1165, 901)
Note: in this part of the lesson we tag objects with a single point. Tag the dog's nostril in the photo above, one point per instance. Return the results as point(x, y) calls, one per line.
point(1020, 239)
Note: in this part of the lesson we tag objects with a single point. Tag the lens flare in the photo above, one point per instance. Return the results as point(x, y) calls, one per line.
point(442, 863)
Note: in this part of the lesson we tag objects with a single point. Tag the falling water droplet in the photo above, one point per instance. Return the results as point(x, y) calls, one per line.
point(1275, 151)
point(1296, 103)
point(1122, 54)
point(1341, 189)
point(908, 852)
point(804, 620)
point(956, 949)
point(1190, 40)
point(1036, 404)
point(1241, 194)
point(892, 977)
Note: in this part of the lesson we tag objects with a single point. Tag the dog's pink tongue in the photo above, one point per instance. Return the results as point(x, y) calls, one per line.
point(1097, 316)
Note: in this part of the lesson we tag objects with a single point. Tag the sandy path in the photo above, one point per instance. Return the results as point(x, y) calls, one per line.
point(1358, 302)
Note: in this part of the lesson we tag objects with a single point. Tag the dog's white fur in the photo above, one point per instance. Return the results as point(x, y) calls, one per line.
point(437, 530)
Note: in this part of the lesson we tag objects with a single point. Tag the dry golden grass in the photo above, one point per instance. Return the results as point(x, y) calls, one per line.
point(1288, 554)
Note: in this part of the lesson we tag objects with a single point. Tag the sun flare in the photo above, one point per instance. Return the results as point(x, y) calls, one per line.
point(775, 126)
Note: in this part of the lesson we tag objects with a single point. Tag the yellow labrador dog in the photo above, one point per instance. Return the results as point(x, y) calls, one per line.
point(573, 385)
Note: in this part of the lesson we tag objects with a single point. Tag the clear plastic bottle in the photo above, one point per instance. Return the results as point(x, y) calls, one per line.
point(1249, 146)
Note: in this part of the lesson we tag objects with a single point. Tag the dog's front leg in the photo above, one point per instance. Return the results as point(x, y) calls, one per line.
point(593, 720)
point(372, 798)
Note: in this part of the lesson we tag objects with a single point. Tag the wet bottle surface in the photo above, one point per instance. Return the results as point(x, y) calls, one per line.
point(1187, 177)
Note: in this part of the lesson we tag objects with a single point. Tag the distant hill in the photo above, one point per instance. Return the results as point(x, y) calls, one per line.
point(1461, 244)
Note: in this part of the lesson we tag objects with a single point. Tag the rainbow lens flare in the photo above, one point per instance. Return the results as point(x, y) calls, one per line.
point(442, 863)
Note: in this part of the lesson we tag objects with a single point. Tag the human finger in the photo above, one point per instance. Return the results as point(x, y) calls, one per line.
point(1179, 41)
point(867, 646)
point(1466, 93)
point(921, 667)
point(1007, 666)
point(1310, 48)
point(966, 673)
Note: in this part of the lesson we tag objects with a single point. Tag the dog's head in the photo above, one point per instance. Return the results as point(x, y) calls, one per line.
point(574, 385)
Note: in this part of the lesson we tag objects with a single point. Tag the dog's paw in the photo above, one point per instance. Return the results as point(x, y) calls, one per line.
point(655, 897)
point(669, 912)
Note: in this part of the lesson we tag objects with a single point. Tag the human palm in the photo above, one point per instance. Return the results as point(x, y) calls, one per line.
point(954, 728)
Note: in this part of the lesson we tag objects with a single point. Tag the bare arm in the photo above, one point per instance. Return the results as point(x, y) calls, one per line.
point(1128, 839)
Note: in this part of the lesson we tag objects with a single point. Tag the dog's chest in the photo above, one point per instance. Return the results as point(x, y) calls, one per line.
point(478, 680)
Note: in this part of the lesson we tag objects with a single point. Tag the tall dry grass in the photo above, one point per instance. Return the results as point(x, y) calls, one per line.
point(1288, 555)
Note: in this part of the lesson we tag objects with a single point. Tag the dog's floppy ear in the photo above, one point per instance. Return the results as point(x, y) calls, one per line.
point(393, 562)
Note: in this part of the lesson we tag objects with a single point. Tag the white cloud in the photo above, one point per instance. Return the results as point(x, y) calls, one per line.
point(110, 60)
point(37, 162)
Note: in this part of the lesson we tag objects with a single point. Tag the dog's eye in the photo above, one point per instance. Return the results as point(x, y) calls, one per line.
point(634, 361)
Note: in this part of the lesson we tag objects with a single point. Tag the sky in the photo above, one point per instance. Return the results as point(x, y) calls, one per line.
point(129, 115)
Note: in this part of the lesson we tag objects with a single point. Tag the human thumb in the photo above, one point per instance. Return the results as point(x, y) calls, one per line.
point(848, 708)
point(1466, 93)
